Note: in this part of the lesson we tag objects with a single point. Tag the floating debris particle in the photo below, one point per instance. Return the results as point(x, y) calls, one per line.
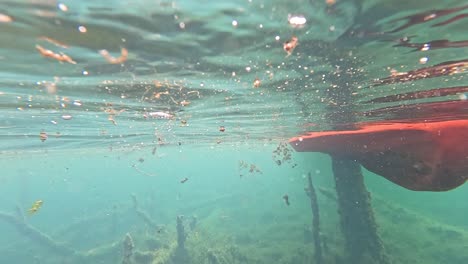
point(158, 95)
point(290, 45)
point(54, 41)
point(160, 140)
point(222, 129)
point(254, 168)
point(246, 167)
point(112, 60)
point(426, 47)
point(5, 18)
point(43, 136)
point(297, 21)
point(283, 154)
point(62, 7)
point(50, 54)
point(112, 120)
point(161, 115)
point(286, 199)
point(67, 117)
point(395, 73)
point(51, 87)
point(184, 103)
point(82, 29)
point(143, 172)
point(35, 207)
point(197, 93)
point(257, 83)
point(112, 112)
point(184, 180)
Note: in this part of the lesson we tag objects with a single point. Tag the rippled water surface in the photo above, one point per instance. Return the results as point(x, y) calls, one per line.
point(197, 62)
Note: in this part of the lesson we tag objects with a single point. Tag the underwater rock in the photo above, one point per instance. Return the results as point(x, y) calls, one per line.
point(420, 156)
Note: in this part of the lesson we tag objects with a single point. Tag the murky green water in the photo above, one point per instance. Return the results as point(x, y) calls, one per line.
point(187, 124)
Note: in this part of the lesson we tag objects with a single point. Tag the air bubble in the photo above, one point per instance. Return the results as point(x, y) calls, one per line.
point(62, 7)
point(297, 21)
point(82, 29)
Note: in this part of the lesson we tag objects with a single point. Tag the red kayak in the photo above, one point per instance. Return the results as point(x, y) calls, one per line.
point(421, 156)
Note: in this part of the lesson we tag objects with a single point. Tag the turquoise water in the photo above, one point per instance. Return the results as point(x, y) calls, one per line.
point(182, 126)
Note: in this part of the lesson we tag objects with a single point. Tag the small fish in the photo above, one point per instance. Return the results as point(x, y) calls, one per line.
point(35, 207)
point(184, 180)
point(286, 199)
